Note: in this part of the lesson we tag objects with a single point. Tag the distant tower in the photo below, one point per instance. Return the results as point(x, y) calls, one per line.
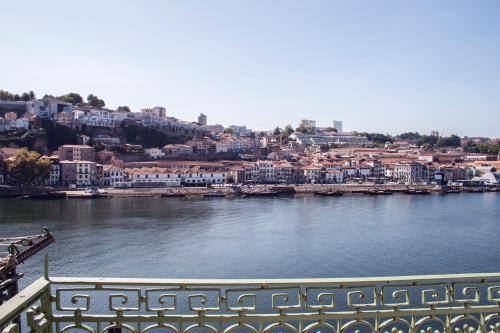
point(338, 125)
point(202, 119)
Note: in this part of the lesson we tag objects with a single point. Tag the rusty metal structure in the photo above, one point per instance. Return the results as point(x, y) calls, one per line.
point(16, 251)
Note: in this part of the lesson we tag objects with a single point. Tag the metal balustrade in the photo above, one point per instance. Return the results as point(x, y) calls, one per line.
point(461, 303)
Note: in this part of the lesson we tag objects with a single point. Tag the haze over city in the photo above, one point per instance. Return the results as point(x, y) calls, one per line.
point(385, 67)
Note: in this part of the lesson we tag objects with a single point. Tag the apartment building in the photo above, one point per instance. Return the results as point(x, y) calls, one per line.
point(80, 173)
point(112, 175)
point(76, 152)
point(408, 172)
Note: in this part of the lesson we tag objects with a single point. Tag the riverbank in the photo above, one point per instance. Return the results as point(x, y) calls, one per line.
point(13, 191)
point(280, 189)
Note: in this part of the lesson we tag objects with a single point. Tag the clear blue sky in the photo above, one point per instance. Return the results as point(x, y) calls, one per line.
point(384, 66)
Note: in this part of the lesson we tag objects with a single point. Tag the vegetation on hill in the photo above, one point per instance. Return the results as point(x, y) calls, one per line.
point(25, 96)
point(483, 148)
point(149, 137)
point(27, 167)
point(58, 135)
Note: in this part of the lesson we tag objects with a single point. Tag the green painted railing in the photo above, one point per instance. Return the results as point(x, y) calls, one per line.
point(462, 303)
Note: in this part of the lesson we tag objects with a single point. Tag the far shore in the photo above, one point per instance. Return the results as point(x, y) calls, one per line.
point(229, 190)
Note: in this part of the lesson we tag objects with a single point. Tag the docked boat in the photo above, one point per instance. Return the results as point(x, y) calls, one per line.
point(378, 192)
point(417, 191)
point(450, 190)
point(173, 194)
point(214, 194)
point(89, 193)
point(46, 195)
point(261, 193)
point(474, 189)
point(330, 193)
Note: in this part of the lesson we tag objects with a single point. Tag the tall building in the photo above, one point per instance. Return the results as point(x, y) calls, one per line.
point(76, 153)
point(338, 125)
point(202, 119)
point(157, 111)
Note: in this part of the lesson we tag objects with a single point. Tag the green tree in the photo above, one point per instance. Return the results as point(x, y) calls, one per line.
point(58, 135)
point(72, 98)
point(410, 136)
point(27, 167)
point(450, 141)
point(331, 129)
point(307, 126)
point(123, 109)
point(229, 130)
point(25, 97)
point(95, 101)
point(288, 130)
point(277, 131)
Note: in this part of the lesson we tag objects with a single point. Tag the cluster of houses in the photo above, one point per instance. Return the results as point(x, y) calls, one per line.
point(80, 165)
point(20, 113)
point(243, 156)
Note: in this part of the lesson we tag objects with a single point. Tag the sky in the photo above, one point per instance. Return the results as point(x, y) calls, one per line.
point(379, 66)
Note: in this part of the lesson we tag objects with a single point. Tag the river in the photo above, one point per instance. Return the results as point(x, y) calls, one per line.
point(282, 237)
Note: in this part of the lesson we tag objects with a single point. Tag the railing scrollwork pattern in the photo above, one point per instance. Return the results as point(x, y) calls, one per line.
point(463, 303)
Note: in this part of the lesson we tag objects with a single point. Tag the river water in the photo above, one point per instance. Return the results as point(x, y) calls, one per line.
point(283, 237)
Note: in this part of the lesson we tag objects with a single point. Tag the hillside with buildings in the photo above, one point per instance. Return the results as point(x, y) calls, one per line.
point(90, 145)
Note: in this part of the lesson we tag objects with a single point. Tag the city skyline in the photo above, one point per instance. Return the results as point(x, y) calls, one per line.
point(377, 67)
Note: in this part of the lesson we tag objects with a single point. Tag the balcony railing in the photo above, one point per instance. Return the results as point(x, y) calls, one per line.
point(462, 303)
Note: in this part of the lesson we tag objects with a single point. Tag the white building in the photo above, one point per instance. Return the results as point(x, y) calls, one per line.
point(200, 176)
point(20, 123)
point(202, 119)
point(157, 111)
point(155, 175)
point(334, 176)
point(112, 175)
point(338, 125)
point(408, 172)
point(47, 108)
point(96, 117)
point(154, 153)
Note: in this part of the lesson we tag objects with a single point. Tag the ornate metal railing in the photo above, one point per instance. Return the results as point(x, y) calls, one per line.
point(462, 303)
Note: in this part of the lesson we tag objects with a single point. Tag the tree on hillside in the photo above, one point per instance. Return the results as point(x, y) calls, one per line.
point(27, 167)
point(331, 129)
point(228, 130)
point(450, 141)
point(123, 109)
point(72, 98)
point(277, 131)
point(307, 126)
point(7, 96)
point(58, 135)
point(288, 130)
point(409, 136)
point(95, 101)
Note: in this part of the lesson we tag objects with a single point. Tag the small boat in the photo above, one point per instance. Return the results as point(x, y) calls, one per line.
point(173, 194)
point(378, 192)
point(45, 195)
point(330, 193)
point(214, 194)
point(89, 193)
point(261, 193)
point(474, 189)
point(417, 191)
point(450, 190)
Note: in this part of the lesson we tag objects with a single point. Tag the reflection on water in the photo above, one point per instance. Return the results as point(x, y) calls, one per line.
point(301, 236)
